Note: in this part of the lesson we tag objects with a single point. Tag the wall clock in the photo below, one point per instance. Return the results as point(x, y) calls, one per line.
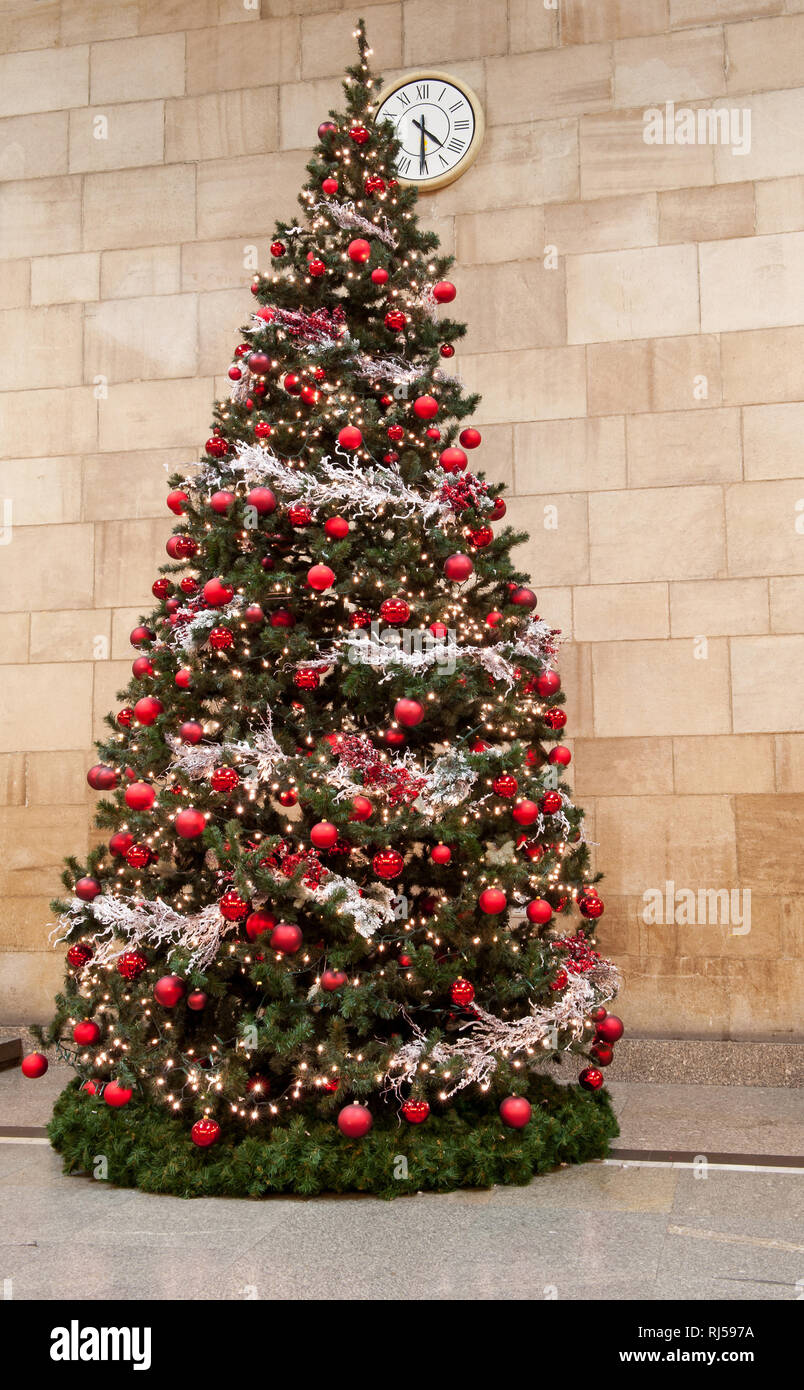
point(439, 124)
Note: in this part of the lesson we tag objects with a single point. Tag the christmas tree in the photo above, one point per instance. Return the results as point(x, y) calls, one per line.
point(342, 919)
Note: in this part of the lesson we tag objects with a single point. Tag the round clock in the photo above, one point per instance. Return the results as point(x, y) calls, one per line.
point(439, 124)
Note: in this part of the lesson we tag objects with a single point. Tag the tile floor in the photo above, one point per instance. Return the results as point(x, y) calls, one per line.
point(616, 1230)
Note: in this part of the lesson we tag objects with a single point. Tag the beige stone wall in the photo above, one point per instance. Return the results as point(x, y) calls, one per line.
point(643, 397)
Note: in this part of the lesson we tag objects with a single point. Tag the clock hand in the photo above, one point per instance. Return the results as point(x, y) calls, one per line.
point(422, 158)
point(428, 133)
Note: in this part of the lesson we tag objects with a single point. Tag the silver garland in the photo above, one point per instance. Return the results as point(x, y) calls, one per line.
point(126, 923)
point(346, 215)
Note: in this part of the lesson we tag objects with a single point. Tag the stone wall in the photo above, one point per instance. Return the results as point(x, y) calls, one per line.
point(636, 326)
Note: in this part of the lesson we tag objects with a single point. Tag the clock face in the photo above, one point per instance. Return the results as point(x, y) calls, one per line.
point(438, 123)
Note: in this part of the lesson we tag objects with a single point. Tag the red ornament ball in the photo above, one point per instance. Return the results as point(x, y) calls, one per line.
point(550, 803)
point(470, 438)
point(86, 889)
point(86, 1032)
point(205, 1132)
point(217, 593)
point(140, 634)
point(176, 501)
point(332, 980)
point(362, 809)
point(282, 617)
point(374, 184)
point(286, 938)
point(254, 614)
point(220, 502)
point(492, 900)
point(609, 1029)
point(277, 249)
point(299, 514)
point(306, 678)
point(101, 778)
point(324, 834)
point(408, 713)
point(263, 430)
point(379, 275)
point(232, 906)
point(320, 577)
point(515, 1112)
point(559, 755)
point(191, 731)
point(395, 433)
point(453, 460)
point(441, 854)
point(262, 500)
point(447, 350)
point(458, 567)
point(197, 1001)
point(395, 320)
point(190, 823)
point(354, 1121)
point(591, 1079)
point(350, 437)
point(142, 668)
point(259, 922)
point(603, 1054)
point(288, 797)
point(316, 268)
point(326, 128)
point(461, 992)
point(358, 250)
point(169, 990)
point(79, 954)
point(360, 618)
point(554, 718)
point(125, 717)
point(359, 135)
point(130, 964)
point(221, 639)
point(329, 186)
point(223, 779)
point(183, 678)
point(116, 1095)
point(525, 812)
point(539, 911)
point(425, 407)
point(336, 527)
point(444, 292)
point(505, 785)
point(148, 709)
point(415, 1111)
point(548, 682)
point(35, 1064)
point(217, 446)
point(591, 906)
point(388, 863)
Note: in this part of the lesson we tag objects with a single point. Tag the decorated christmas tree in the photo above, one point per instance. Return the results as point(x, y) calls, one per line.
point(342, 916)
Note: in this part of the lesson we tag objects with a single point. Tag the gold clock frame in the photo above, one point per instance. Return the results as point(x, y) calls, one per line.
point(467, 160)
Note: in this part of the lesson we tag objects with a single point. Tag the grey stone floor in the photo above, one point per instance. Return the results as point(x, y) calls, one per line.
point(614, 1230)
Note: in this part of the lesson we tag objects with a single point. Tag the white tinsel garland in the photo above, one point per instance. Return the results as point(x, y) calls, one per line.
point(194, 631)
point(488, 1039)
point(147, 922)
point(261, 755)
point(346, 215)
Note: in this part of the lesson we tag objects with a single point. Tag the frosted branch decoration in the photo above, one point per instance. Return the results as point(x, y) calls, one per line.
point(128, 922)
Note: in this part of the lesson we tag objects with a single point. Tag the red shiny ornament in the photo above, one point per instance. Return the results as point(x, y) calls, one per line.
point(306, 679)
point(491, 901)
point(394, 610)
point(425, 407)
point(548, 682)
point(79, 954)
point(326, 128)
point(395, 320)
point(262, 500)
point(142, 668)
point(191, 731)
point(161, 588)
point(554, 718)
point(479, 746)
point(125, 717)
point(169, 990)
point(259, 922)
point(408, 713)
point(147, 710)
point(379, 275)
point(461, 992)
point(447, 350)
point(197, 1001)
point(590, 905)
point(374, 184)
point(205, 1132)
point(505, 785)
point(217, 446)
point(140, 796)
point(130, 964)
point(354, 1121)
point(329, 186)
point(140, 634)
point(336, 527)
point(362, 809)
point(453, 460)
point(116, 1095)
point(286, 938)
point(523, 598)
point(183, 678)
point(102, 778)
point(415, 1111)
point(498, 510)
point(232, 906)
point(525, 812)
point(444, 292)
point(458, 567)
point(263, 430)
point(320, 577)
point(86, 1033)
point(539, 911)
point(221, 639)
point(559, 755)
point(358, 250)
point(282, 617)
point(432, 433)
point(360, 618)
point(550, 803)
point(494, 618)
point(254, 614)
point(288, 798)
point(331, 980)
point(316, 268)
point(515, 1112)
point(217, 593)
point(277, 249)
point(138, 856)
point(359, 135)
point(395, 433)
point(470, 438)
point(591, 1079)
point(395, 737)
point(405, 961)
point(324, 834)
point(234, 374)
point(388, 863)
point(221, 501)
point(441, 854)
point(34, 1065)
point(480, 536)
point(610, 1029)
point(603, 1054)
point(292, 383)
point(299, 514)
point(188, 585)
point(224, 779)
point(87, 889)
point(189, 823)
point(176, 501)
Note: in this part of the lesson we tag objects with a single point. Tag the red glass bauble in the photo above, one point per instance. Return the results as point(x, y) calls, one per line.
point(444, 292)
point(306, 678)
point(548, 682)
point(205, 1132)
point(286, 938)
point(609, 1029)
point(288, 798)
point(169, 990)
point(221, 639)
point(591, 1079)
point(525, 812)
point(130, 964)
point(415, 1111)
point(505, 785)
point(453, 460)
point(332, 980)
point(139, 635)
point(299, 514)
point(142, 668)
point(603, 1054)
point(138, 856)
point(359, 135)
point(362, 809)
point(262, 500)
point(360, 618)
point(388, 863)
point(590, 906)
point(320, 577)
point(217, 593)
point(470, 438)
point(191, 731)
point(102, 778)
point(447, 350)
point(395, 320)
point(125, 717)
point(258, 922)
point(324, 834)
point(217, 446)
point(87, 889)
point(492, 901)
point(329, 186)
point(224, 779)
point(461, 992)
point(183, 678)
point(116, 1095)
point(554, 718)
point(34, 1065)
point(458, 567)
point(523, 598)
point(190, 823)
point(550, 803)
point(277, 249)
point(394, 610)
point(78, 955)
point(148, 709)
point(232, 906)
point(282, 617)
point(177, 501)
point(559, 755)
point(316, 267)
point(408, 713)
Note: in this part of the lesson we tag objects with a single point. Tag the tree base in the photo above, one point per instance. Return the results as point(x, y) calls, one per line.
point(146, 1148)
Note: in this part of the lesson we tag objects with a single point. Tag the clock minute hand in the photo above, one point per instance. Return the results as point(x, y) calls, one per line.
point(430, 136)
point(422, 156)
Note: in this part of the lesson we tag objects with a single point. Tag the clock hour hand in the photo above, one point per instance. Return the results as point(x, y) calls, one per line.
point(422, 156)
point(430, 136)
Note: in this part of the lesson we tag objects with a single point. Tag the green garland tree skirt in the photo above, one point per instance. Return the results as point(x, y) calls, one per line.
point(147, 1148)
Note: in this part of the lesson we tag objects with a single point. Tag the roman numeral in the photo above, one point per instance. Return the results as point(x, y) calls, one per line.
point(441, 94)
point(404, 98)
point(456, 145)
point(456, 106)
point(423, 91)
point(443, 160)
point(461, 125)
point(403, 164)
